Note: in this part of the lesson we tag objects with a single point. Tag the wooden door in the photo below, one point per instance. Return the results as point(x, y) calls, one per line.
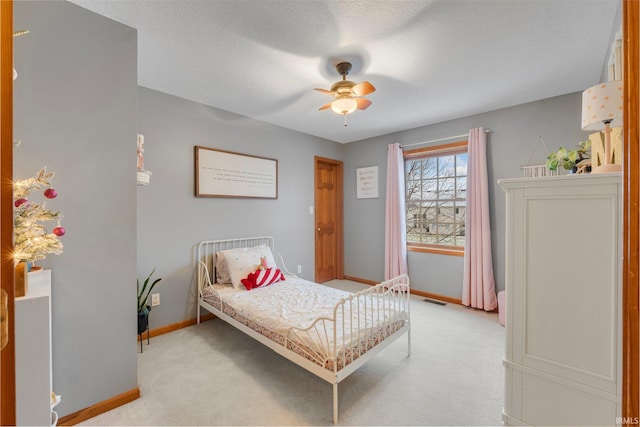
point(7, 354)
point(328, 220)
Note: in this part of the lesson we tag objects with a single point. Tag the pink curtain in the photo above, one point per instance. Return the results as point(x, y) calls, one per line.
point(395, 225)
point(478, 287)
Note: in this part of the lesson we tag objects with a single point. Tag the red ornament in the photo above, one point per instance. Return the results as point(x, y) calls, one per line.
point(21, 202)
point(50, 193)
point(59, 231)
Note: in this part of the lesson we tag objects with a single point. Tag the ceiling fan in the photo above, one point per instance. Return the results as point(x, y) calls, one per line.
point(347, 93)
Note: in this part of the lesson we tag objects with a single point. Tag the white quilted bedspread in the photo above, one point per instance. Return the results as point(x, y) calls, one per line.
point(294, 302)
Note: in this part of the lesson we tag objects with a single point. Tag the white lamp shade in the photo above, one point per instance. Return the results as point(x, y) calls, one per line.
point(344, 105)
point(600, 103)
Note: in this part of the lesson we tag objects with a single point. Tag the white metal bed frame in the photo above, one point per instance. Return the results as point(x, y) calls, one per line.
point(390, 298)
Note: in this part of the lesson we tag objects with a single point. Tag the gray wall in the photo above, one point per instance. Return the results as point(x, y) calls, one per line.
point(515, 133)
point(171, 220)
point(75, 111)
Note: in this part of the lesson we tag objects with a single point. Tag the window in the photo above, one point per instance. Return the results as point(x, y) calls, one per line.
point(436, 198)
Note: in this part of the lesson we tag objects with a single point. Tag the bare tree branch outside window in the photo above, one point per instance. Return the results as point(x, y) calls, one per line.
point(436, 192)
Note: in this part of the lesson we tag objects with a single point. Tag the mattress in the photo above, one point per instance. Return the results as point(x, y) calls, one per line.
point(284, 310)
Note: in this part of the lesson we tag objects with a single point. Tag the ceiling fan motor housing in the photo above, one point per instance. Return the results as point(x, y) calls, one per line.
point(342, 87)
point(343, 69)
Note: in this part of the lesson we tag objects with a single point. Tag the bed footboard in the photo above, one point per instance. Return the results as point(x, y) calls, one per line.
point(363, 324)
point(360, 322)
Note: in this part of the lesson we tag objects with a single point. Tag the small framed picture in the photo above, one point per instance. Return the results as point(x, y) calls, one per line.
point(367, 182)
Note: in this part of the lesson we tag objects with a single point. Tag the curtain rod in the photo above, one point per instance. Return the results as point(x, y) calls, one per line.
point(464, 135)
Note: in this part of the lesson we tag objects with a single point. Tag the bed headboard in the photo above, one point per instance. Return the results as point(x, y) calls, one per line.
point(206, 254)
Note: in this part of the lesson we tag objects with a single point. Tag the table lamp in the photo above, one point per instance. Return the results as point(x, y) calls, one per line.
point(601, 110)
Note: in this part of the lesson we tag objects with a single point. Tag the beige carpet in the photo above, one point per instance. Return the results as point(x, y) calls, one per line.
point(212, 374)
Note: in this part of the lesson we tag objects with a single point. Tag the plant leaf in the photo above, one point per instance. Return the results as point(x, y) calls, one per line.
point(143, 295)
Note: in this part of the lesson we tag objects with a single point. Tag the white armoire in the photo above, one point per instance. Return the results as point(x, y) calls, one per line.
point(563, 355)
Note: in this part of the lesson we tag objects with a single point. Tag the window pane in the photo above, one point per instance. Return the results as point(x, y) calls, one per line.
point(445, 234)
point(429, 189)
point(460, 234)
point(413, 210)
point(461, 188)
point(413, 233)
point(446, 166)
point(430, 167)
point(413, 190)
point(413, 169)
point(446, 188)
point(461, 164)
point(430, 239)
point(460, 212)
point(447, 214)
point(429, 214)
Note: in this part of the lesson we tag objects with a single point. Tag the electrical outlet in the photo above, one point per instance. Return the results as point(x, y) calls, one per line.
point(299, 269)
point(155, 300)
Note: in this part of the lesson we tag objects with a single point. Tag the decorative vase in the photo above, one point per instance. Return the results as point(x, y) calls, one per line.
point(21, 279)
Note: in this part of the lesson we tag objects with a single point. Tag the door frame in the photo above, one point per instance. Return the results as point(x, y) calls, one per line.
point(631, 221)
point(7, 355)
point(339, 220)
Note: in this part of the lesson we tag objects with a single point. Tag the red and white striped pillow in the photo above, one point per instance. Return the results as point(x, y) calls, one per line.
point(261, 278)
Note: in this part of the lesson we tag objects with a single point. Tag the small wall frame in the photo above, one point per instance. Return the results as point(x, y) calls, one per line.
point(367, 182)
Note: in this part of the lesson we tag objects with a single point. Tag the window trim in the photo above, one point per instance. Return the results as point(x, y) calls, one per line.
point(435, 249)
point(436, 151)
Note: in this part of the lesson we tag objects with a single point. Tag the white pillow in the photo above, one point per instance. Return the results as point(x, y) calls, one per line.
point(222, 272)
point(242, 261)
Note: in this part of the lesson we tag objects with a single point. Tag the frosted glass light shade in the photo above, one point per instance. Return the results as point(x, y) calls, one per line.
point(600, 103)
point(344, 105)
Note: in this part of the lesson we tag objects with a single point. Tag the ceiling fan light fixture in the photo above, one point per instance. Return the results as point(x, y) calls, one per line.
point(344, 105)
point(348, 95)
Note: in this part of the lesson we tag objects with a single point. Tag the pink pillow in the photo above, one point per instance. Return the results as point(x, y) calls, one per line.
point(264, 277)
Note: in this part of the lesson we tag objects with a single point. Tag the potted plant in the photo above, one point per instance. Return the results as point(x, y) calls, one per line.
point(143, 301)
point(569, 159)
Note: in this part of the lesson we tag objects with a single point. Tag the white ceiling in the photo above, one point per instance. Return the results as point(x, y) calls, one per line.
point(430, 60)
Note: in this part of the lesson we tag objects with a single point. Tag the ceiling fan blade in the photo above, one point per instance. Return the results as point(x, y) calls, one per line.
point(325, 106)
point(363, 103)
point(324, 91)
point(362, 89)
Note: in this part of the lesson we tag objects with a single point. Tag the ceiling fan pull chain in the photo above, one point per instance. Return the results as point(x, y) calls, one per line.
point(345, 120)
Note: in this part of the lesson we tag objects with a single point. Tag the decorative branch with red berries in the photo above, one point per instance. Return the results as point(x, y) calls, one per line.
point(31, 240)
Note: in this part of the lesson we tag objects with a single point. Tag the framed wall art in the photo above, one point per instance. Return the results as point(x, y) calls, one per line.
point(220, 173)
point(367, 182)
